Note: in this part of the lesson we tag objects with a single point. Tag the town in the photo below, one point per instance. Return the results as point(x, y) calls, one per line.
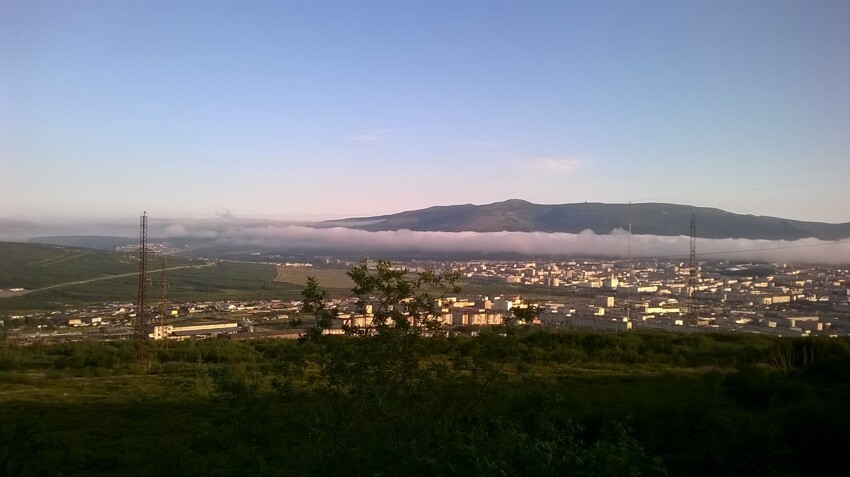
point(612, 295)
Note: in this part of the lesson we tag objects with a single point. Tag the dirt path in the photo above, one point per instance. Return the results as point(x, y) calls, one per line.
point(49, 262)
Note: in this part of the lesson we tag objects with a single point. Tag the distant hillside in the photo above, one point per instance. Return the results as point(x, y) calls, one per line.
point(103, 242)
point(647, 219)
point(33, 266)
point(56, 276)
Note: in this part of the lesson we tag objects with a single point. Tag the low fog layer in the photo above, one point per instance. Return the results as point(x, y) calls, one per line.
point(281, 236)
point(284, 236)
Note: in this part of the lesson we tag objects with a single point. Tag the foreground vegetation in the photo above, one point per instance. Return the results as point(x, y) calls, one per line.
point(512, 401)
point(515, 400)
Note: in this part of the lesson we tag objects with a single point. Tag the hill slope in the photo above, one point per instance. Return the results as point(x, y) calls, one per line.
point(56, 275)
point(34, 266)
point(647, 219)
point(103, 242)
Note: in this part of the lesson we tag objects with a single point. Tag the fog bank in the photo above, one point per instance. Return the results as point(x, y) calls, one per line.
point(282, 236)
point(587, 243)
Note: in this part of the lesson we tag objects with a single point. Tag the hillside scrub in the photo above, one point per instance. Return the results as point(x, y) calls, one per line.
point(509, 401)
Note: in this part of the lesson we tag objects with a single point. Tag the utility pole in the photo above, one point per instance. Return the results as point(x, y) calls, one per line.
point(141, 313)
point(163, 291)
point(631, 269)
point(692, 282)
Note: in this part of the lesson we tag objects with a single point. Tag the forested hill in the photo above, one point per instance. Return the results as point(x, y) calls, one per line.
point(647, 219)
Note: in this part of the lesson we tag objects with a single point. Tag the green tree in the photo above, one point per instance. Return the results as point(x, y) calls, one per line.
point(398, 298)
point(314, 303)
point(525, 315)
point(380, 390)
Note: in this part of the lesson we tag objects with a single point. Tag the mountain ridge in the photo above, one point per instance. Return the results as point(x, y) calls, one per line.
point(651, 218)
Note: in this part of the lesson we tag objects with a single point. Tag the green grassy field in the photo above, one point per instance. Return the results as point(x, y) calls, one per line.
point(334, 280)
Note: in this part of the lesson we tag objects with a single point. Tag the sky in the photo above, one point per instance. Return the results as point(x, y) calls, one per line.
point(312, 110)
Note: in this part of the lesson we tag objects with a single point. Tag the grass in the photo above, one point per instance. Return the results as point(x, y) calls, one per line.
point(334, 280)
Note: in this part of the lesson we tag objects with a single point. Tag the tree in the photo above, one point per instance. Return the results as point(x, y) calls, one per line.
point(382, 394)
point(398, 299)
point(525, 315)
point(314, 303)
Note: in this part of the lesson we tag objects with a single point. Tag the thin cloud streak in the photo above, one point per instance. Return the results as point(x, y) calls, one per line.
point(552, 164)
point(370, 136)
point(482, 144)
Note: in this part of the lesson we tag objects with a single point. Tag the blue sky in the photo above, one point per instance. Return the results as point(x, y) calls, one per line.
point(313, 110)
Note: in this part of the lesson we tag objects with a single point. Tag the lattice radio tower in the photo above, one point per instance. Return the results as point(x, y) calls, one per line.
point(692, 282)
point(141, 313)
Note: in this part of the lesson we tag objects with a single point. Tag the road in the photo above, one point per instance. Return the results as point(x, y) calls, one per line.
point(110, 277)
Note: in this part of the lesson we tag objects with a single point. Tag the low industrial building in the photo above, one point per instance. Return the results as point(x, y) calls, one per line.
point(161, 332)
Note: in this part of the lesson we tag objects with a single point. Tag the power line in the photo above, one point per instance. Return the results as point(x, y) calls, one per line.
point(760, 249)
point(214, 215)
point(693, 279)
point(752, 189)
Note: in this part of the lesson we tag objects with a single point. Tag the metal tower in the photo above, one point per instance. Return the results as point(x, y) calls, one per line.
point(692, 281)
point(141, 313)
